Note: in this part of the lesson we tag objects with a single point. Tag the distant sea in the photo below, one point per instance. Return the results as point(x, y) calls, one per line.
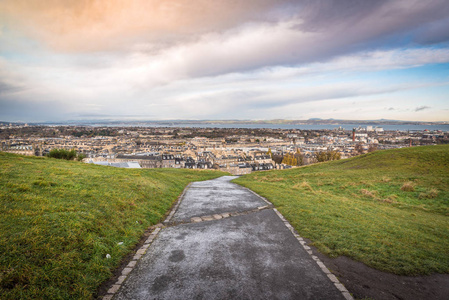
point(394, 127)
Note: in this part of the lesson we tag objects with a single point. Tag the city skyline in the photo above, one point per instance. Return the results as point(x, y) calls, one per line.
point(265, 59)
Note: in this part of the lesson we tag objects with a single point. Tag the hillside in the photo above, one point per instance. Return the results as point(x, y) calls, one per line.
point(59, 220)
point(387, 209)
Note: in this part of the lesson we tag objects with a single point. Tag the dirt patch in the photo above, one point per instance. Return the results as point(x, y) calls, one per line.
point(365, 282)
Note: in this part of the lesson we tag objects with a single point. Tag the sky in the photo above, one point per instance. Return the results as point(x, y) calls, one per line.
point(219, 60)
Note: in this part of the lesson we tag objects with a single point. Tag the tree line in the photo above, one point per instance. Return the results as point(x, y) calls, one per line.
point(297, 159)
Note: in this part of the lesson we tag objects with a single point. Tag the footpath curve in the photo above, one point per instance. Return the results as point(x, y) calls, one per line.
point(223, 241)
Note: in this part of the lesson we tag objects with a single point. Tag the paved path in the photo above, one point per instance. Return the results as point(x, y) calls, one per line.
point(225, 243)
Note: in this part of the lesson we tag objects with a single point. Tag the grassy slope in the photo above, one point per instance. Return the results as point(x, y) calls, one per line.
point(59, 219)
point(356, 207)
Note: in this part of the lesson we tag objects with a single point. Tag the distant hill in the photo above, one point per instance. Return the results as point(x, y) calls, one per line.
point(59, 219)
point(388, 209)
point(311, 121)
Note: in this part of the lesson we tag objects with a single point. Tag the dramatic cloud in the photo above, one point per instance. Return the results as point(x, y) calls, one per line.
point(220, 59)
point(102, 25)
point(90, 25)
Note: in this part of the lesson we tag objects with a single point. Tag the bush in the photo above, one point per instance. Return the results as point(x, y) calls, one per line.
point(65, 154)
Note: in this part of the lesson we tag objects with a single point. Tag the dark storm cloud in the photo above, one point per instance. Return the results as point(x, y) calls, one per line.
point(434, 33)
point(378, 18)
point(351, 25)
point(323, 30)
point(320, 15)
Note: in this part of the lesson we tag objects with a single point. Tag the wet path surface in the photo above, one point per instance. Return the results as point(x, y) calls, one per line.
point(242, 253)
point(215, 197)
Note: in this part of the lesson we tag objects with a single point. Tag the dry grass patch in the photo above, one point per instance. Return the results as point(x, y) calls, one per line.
point(303, 185)
point(368, 193)
point(389, 199)
point(431, 194)
point(349, 184)
point(274, 179)
point(366, 183)
point(385, 179)
point(408, 187)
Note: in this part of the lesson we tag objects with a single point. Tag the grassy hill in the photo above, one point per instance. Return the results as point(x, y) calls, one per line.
point(59, 220)
point(387, 209)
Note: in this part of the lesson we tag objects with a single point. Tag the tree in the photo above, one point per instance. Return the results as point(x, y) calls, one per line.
point(372, 148)
point(327, 155)
point(359, 148)
point(291, 160)
point(270, 153)
point(277, 158)
point(299, 158)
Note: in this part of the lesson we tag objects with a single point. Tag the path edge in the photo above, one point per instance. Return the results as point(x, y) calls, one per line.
point(303, 243)
point(114, 288)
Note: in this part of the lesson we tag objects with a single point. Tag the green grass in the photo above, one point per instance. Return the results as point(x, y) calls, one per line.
point(360, 208)
point(59, 219)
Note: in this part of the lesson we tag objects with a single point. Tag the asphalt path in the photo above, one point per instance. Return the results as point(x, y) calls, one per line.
point(250, 254)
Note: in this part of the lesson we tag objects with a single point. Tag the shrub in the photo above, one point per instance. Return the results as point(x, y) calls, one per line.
point(65, 154)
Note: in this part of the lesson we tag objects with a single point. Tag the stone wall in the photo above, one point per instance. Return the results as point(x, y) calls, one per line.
point(237, 170)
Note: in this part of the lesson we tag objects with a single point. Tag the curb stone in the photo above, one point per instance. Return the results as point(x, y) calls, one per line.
point(323, 268)
point(175, 208)
point(326, 271)
point(113, 289)
point(130, 266)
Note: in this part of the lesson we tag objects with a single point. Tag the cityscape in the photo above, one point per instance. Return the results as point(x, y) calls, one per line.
point(234, 150)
